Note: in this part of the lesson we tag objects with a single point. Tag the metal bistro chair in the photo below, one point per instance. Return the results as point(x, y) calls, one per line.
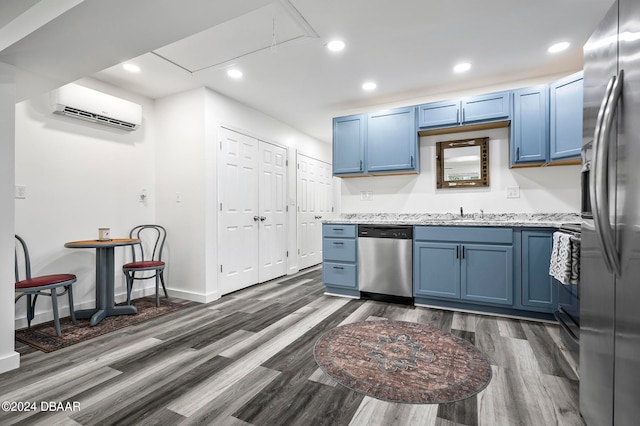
point(154, 236)
point(45, 285)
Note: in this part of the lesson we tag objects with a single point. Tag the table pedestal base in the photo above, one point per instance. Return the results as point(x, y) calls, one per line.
point(98, 315)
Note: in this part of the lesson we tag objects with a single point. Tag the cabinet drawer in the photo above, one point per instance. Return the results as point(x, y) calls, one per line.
point(462, 234)
point(340, 249)
point(339, 274)
point(341, 231)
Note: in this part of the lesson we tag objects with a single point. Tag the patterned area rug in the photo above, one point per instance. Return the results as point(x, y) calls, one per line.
point(403, 362)
point(43, 336)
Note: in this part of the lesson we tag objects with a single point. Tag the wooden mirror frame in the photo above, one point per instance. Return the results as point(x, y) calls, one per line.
point(483, 143)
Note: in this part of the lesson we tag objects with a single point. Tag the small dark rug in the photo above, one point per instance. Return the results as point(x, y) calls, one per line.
point(43, 336)
point(403, 362)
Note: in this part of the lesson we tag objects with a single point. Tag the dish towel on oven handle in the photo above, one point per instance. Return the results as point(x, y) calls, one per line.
point(565, 258)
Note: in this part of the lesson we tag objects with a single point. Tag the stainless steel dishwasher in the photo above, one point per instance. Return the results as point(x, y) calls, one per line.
point(385, 260)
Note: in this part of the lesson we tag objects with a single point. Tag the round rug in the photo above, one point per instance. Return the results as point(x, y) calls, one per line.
point(402, 362)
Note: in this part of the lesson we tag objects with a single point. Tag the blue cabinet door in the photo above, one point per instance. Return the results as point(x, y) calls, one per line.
point(539, 289)
point(439, 114)
point(436, 270)
point(530, 125)
point(392, 141)
point(349, 135)
point(490, 107)
point(487, 273)
point(566, 117)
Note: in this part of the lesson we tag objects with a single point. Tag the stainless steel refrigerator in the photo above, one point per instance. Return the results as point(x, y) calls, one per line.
point(610, 249)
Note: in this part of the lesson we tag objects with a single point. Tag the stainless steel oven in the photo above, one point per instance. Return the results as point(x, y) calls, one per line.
point(568, 313)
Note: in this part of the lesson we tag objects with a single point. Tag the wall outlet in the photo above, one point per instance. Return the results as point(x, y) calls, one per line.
point(21, 191)
point(366, 195)
point(513, 192)
point(178, 197)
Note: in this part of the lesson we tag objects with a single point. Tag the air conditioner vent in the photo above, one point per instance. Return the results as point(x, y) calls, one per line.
point(97, 107)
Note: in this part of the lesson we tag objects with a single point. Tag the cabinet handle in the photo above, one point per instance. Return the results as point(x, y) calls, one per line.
point(463, 252)
point(338, 229)
point(360, 165)
point(518, 154)
point(338, 267)
point(412, 161)
point(256, 218)
point(338, 242)
point(457, 252)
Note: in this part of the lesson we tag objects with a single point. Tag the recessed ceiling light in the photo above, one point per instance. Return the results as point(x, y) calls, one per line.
point(558, 47)
point(234, 73)
point(369, 85)
point(462, 67)
point(335, 45)
point(131, 67)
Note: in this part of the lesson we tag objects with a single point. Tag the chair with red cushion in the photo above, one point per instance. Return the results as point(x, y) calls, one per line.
point(44, 285)
point(146, 256)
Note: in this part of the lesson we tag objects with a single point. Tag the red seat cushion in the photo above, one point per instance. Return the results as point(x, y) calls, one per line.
point(45, 280)
point(144, 264)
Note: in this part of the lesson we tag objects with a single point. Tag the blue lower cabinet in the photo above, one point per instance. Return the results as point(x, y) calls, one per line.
point(340, 275)
point(487, 273)
point(471, 264)
point(539, 289)
point(339, 259)
point(436, 270)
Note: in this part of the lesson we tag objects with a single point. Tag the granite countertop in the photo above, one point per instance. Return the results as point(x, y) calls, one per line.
point(546, 220)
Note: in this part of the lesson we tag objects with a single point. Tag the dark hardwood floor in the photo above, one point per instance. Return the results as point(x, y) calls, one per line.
point(247, 359)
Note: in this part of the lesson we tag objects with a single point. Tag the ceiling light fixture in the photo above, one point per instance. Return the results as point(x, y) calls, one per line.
point(234, 73)
point(462, 67)
point(131, 67)
point(558, 47)
point(335, 45)
point(369, 86)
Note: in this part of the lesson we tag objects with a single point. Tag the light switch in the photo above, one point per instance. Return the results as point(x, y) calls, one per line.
point(366, 195)
point(21, 191)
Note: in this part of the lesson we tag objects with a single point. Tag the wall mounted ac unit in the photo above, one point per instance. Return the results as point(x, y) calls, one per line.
point(87, 104)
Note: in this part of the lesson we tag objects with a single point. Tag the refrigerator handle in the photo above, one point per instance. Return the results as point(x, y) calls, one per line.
point(601, 173)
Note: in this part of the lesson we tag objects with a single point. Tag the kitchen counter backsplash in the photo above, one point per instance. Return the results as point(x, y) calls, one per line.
point(554, 220)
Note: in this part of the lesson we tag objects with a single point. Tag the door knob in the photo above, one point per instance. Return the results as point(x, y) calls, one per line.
point(255, 218)
point(262, 218)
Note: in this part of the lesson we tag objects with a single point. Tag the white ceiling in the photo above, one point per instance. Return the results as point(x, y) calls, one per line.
point(407, 46)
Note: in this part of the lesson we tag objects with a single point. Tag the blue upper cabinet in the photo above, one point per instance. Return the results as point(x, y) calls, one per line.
point(530, 125)
point(439, 114)
point(377, 143)
point(392, 141)
point(566, 117)
point(494, 106)
point(349, 135)
point(472, 110)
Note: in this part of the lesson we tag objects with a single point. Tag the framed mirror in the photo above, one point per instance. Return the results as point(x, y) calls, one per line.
point(462, 163)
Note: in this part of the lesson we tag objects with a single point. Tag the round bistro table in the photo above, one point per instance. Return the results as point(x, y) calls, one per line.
point(105, 302)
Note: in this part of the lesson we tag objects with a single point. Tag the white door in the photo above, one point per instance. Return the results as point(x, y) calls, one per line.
point(314, 204)
point(273, 215)
point(239, 213)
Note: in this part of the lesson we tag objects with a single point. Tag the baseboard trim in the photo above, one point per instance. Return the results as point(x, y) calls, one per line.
point(9, 362)
point(194, 297)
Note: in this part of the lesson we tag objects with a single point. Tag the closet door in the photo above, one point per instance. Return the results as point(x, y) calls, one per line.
point(314, 204)
point(273, 215)
point(239, 214)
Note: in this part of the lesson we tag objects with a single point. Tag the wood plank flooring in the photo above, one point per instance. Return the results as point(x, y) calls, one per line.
point(247, 359)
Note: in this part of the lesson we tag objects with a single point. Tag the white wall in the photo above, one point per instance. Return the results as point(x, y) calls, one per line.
point(80, 176)
point(542, 189)
point(9, 359)
point(187, 164)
